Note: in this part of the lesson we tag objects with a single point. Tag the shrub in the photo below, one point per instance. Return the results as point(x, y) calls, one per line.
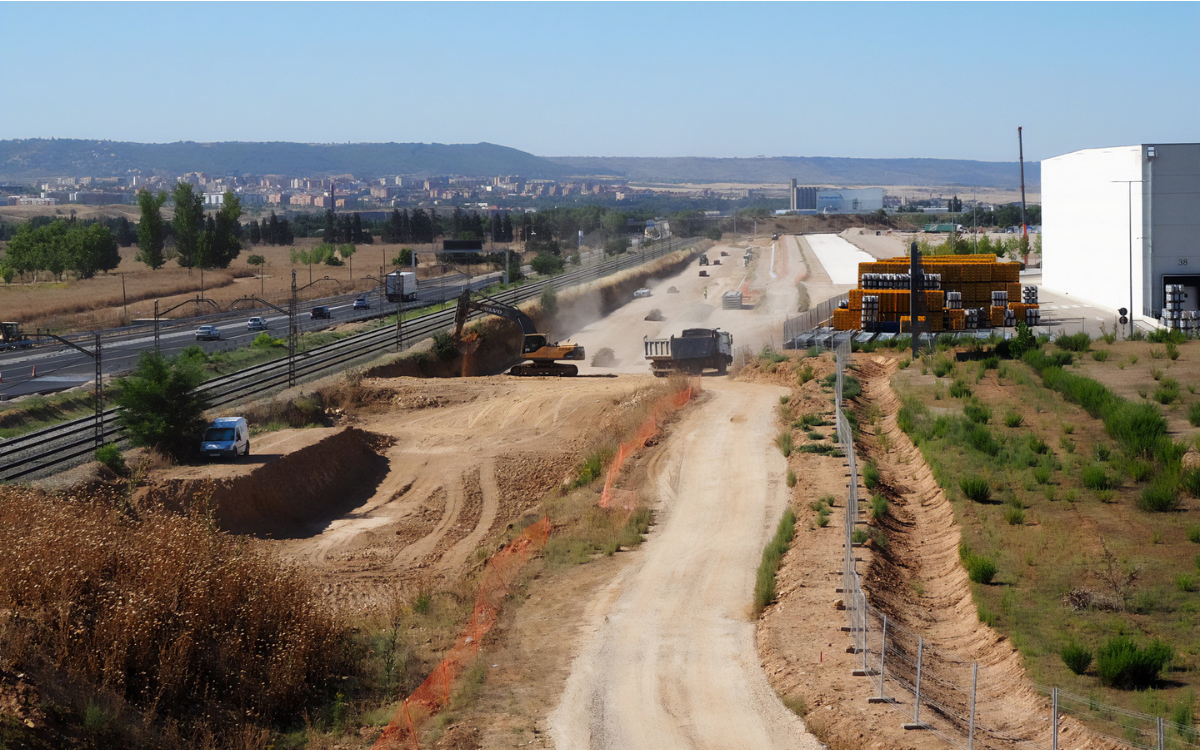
point(1194, 414)
point(871, 475)
point(443, 346)
point(1041, 474)
point(978, 413)
point(980, 569)
point(791, 478)
point(858, 536)
point(980, 438)
point(1076, 342)
point(1121, 663)
point(1076, 657)
point(1172, 351)
point(265, 340)
point(942, 367)
point(1095, 478)
point(806, 374)
point(1015, 515)
point(784, 441)
point(1138, 470)
point(1012, 419)
point(851, 387)
point(1185, 582)
point(1167, 391)
point(975, 488)
point(1101, 355)
point(1193, 534)
point(1161, 496)
point(160, 407)
point(1166, 336)
point(879, 506)
point(546, 264)
point(959, 389)
point(764, 584)
point(110, 455)
point(1189, 480)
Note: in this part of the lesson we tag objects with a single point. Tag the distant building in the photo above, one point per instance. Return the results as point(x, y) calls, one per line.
point(300, 199)
point(849, 200)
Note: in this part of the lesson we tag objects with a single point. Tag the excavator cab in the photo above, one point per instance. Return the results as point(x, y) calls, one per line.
point(533, 342)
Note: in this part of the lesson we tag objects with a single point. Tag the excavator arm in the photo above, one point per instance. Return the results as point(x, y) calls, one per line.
point(491, 307)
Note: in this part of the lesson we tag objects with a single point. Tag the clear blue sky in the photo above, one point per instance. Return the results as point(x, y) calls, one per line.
point(941, 80)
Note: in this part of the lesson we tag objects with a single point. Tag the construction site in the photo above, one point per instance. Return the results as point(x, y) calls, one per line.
point(521, 537)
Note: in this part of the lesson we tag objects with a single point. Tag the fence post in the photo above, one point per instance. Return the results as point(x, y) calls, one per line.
point(882, 662)
point(1160, 733)
point(1054, 719)
point(971, 726)
point(916, 722)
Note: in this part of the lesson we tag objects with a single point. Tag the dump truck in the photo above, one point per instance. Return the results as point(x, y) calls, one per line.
point(401, 286)
point(12, 338)
point(696, 350)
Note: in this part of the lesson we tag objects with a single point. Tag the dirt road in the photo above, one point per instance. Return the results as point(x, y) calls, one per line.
point(671, 661)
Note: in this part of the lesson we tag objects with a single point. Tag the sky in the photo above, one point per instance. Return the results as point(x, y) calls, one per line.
point(853, 79)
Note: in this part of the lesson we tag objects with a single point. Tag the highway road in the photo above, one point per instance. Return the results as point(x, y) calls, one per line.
point(48, 368)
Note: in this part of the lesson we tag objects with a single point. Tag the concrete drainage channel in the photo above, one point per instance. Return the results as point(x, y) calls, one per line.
point(69, 444)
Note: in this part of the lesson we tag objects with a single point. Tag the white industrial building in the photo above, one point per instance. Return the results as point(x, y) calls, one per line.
point(849, 200)
point(1119, 224)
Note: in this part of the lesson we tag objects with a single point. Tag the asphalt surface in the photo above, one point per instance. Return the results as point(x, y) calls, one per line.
point(48, 368)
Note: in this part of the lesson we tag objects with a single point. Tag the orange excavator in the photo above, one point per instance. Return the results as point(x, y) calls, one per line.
point(541, 354)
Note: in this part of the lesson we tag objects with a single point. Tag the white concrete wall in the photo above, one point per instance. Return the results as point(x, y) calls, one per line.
point(1085, 226)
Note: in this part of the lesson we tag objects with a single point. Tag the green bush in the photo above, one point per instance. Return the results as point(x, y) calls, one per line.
point(871, 475)
point(1121, 663)
point(1193, 534)
point(1101, 355)
point(851, 387)
point(784, 441)
point(1160, 496)
point(1167, 391)
point(942, 367)
point(546, 264)
point(265, 340)
point(1041, 474)
point(791, 478)
point(858, 536)
point(879, 506)
point(110, 455)
point(1012, 419)
point(1076, 657)
point(160, 407)
point(980, 569)
point(1166, 336)
point(1015, 515)
point(1194, 414)
point(980, 438)
point(443, 346)
point(978, 413)
point(1185, 582)
point(1076, 342)
point(975, 488)
point(1189, 480)
point(806, 374)
point(1095, 478)
point(959, 389)
point(764, 584)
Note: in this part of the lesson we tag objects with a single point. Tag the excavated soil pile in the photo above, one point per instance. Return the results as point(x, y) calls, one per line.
point(296, 495)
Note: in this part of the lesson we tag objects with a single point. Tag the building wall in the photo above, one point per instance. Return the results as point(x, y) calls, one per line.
point(1095, 224)
point(849, 200)
point(1086, 216)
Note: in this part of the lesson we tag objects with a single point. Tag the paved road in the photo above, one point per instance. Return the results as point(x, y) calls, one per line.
point(47, 369)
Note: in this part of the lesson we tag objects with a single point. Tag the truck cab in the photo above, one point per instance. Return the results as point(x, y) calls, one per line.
point(11, 336)
point(704, 260)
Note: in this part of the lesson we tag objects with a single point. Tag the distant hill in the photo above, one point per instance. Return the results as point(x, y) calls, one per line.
point(24, 159)
point(49, 157)
point(812, 170)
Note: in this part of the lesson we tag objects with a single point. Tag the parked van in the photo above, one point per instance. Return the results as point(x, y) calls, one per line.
point(226, 437)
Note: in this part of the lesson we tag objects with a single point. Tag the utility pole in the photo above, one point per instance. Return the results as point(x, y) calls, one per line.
point(1024, 231)
point(400, 316)
point(292, 332)
point(916, 296)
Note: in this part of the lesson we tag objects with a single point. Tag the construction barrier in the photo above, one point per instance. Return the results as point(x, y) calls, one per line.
point(434, 693)
point(664, 406)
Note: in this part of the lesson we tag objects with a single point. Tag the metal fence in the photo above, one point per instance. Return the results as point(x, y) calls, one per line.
point(810, 318)
point(70, 443)
point(935, 691)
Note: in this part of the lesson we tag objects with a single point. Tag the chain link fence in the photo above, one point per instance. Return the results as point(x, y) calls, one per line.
point(933, 690)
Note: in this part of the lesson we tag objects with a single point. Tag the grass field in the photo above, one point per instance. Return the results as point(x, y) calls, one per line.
point(1078, 560)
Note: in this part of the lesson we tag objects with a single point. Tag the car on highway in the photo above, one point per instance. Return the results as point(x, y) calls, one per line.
point(320, 311)
point(643, 292)
point(208, 333)
point(256, 324)
point(362, 303)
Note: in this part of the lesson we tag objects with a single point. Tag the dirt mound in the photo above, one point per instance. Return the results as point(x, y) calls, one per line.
point(296, 495)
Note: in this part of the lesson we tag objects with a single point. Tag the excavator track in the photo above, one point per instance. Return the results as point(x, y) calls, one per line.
point(551, 369)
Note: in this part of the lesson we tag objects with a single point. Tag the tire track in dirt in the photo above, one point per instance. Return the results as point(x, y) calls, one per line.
point(923, 544)
point(670, 660)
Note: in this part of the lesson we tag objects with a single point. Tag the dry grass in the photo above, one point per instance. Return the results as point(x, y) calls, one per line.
point(193, 627)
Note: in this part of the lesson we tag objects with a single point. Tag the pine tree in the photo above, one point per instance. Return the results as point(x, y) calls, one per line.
point(508, 227)
point(356, 229)
point(255, 233)
point(274, 234)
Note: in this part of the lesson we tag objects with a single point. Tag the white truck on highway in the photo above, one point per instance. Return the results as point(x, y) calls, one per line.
point(401, 286)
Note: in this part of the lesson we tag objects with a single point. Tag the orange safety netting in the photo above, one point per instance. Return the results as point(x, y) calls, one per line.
point(434, 693)
point(665, 405)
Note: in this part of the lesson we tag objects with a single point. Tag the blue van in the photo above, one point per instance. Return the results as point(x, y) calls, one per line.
point(226, 437)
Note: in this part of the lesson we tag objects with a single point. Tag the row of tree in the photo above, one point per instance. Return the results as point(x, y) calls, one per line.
point(200, 240)
point(274, 231)
point(62, 245)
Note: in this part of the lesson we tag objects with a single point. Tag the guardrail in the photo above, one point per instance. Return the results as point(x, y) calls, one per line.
point(940, 689)
point(67, 444)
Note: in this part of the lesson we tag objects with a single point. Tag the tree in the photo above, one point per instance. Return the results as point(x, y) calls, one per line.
point(160, 407)
point(508, 228)
point(616, 245)
point(273, 233)
point(92, 248)
point(223, 244)
point(330, 226)
point(713, 234)
point(546, 264)
point(255, 233)
point(125, 234)
point(257, 260)
point(356, 230)
point(406, 257)
point(188, 224)
point(151, 234)
point(346, 251)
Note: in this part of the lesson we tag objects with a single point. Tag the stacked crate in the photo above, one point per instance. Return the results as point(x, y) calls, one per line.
point(1173, 314)
point(959, 293)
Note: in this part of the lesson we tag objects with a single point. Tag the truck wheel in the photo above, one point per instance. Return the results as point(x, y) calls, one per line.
point(722, 368)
